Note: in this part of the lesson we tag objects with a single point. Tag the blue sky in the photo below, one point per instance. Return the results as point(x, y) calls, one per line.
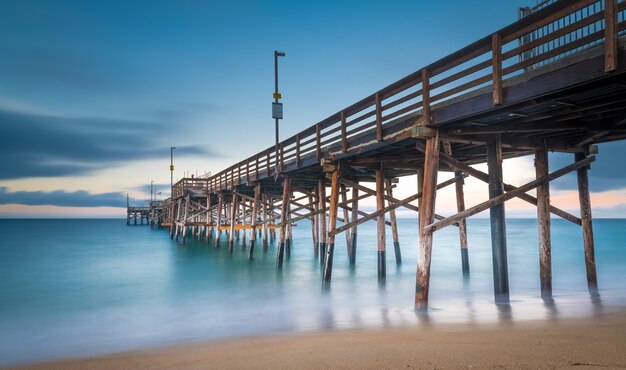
point(93, 93)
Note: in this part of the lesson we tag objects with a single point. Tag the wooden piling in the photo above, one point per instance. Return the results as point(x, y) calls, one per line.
point(314, 230)
point(355, 215)
point(380, 223)
point(264, 207)
point(288, 231)
point(283, 220)
point(218, 222)
point(394, 226)
point(184, 225)
point(346, 217)
point(322, 220)
point(543, 222)
point(426, 216)
point(255, 210)
point(332, 224)
point(460, 207)
point(587, 226)
point(498, 223)
point(233, 221)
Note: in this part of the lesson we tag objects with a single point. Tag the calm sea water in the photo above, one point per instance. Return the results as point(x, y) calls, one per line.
point(83, 287)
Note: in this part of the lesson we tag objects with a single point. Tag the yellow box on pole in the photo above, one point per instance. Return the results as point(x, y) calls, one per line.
point(172, 167)
point(277, 95)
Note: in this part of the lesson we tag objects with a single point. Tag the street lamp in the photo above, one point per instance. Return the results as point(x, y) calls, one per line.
point(277, 107)
point(172, 169)
point(151, 183)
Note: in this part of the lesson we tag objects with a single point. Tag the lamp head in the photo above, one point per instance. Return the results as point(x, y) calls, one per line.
point(279, 53)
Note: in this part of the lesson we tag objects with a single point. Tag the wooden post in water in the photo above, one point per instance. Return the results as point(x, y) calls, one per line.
point(233, 221)
point(283, 221)
point(394, 226)
point(264, 207)
point(288, 235)
point(346, 217)
point(178, 207)
point(313, 202)
point(380, 223)
point(355, 216)
point(322, 219)
point(272, 218)
point(587, 226)
point(426, 217)
point(460, 207)
point(209, 218)
point(255, 211)
point(498, 223)
point(332, 224)
point(218, 222)
point(185, 219)
point(543, 222)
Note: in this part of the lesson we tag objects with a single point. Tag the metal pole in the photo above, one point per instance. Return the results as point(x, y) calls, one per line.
point(276, 96)
point(151, 192)
point(172, 170)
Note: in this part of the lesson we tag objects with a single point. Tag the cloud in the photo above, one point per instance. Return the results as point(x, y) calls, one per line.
point(608, 172)
point(36, 145)
point(62, 198)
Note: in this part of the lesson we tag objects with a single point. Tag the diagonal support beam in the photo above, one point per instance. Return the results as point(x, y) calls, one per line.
point(393, 206)
point(507, 196)
point(482, 176)
point(386, 197)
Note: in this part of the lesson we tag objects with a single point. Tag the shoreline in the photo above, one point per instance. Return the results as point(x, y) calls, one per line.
point(587, 342)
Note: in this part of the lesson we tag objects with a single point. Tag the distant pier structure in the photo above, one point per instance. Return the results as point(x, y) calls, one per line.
point(554, 81)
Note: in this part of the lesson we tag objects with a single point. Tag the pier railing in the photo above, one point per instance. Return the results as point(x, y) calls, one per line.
point(543, 36)
point(190, 183)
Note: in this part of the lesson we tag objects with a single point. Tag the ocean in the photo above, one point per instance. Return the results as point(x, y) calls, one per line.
point(79, 287)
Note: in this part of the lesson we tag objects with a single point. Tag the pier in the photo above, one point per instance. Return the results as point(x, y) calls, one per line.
point(554, 81)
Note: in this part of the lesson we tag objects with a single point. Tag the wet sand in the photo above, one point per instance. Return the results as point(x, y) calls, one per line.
point(589, 343)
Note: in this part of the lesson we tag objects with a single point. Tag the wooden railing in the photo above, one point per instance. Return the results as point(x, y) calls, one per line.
point(179, 189)
point(541, 37)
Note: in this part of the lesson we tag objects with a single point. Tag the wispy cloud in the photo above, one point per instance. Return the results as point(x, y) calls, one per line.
point(35, 145)
point(62, 198)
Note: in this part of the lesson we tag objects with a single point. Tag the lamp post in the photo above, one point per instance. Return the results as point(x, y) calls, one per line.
point(172, 170)
point(151, 192)
point(277, 107)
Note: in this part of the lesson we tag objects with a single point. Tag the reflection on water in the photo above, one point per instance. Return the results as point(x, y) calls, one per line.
point(107, 287)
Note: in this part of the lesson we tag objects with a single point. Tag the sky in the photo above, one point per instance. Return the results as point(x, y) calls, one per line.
point(94, 93)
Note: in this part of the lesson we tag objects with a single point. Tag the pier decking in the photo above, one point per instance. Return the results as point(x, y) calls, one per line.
point(553, 81)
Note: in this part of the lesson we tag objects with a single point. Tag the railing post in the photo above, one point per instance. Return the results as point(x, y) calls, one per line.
point(267, 164)
point(610, 35)
point(379, 119)
point(425, 96)
point(282, 156)
point(496, 48)
point(344, 138)
point(298, 150)
point(318, 139)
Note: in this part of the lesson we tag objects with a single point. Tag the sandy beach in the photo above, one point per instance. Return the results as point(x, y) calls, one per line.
point(597, 342)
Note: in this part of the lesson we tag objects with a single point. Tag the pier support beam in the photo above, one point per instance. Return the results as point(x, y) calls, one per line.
point(460, 207)
point(264, 207)
point(283, 221)
point(322, 219)
point(346, 216)
point(255, 211)
point(288, 231)
point(394, 226)
point(587, 226)
point(543, 222)
point(426, 217)
point(355, 215)
point(380, 224)
point(498, 223)
point(332, 224)
point(218, 222)
point(314, 229)
point(233, 221)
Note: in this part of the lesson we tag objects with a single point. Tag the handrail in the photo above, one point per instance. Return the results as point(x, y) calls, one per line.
point(550, 30)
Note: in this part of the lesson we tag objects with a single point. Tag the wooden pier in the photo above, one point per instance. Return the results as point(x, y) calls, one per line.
point(554, 81)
